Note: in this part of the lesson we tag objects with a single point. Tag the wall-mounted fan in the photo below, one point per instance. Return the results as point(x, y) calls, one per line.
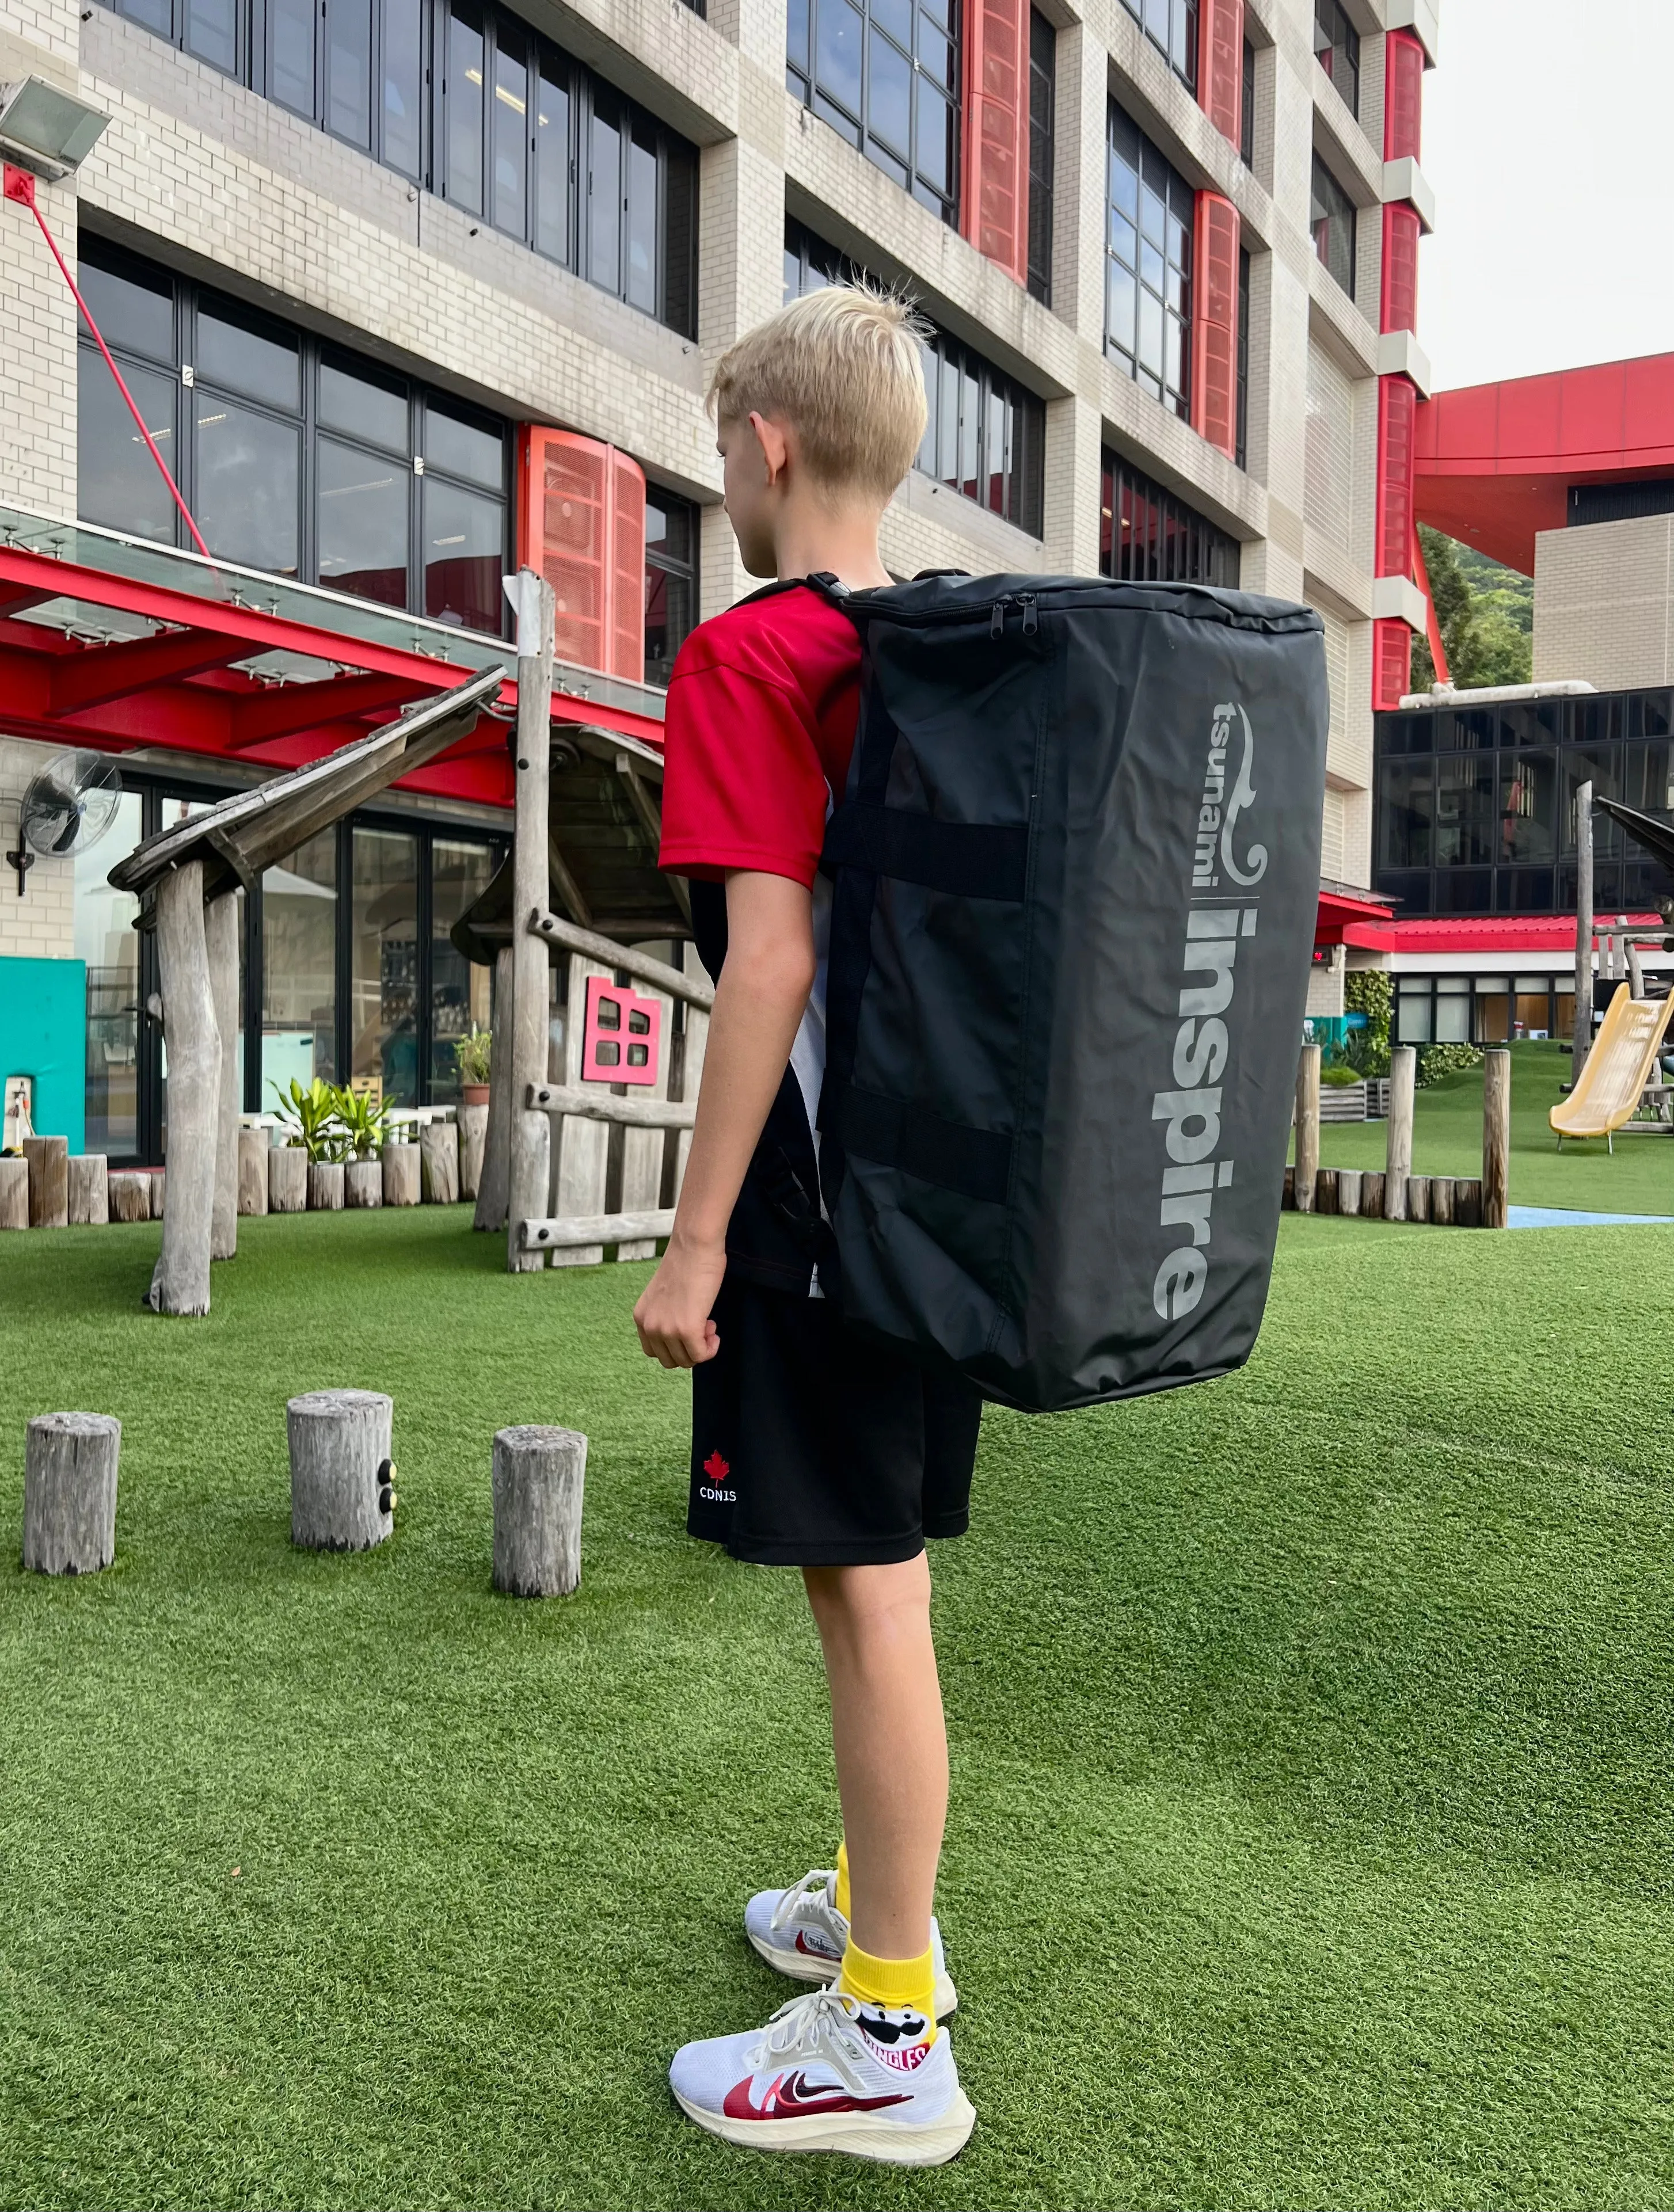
point(66, 808)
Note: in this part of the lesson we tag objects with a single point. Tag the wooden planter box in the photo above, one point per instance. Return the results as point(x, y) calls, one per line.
point(1343, 1101)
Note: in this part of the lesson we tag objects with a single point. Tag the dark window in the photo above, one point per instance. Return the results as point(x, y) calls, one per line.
point(1332, 215)
point(1242, 454)
point(1246, 126)
point(1336, 45)
point(671, 579)
point(1147, 264)
point(293, 457)
point(511, 129)
point(985, 433)
point(1620, 502)
point(1147, 535)
point(1043, 70)
point(1171, 25)
point(885, 73)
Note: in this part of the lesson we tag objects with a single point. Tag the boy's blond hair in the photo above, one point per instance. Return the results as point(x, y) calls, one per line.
point(842, 368)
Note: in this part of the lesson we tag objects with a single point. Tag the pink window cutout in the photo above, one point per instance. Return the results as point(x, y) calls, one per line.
point(619, 1042)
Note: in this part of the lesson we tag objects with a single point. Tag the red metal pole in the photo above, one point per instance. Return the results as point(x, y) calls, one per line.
point(19, 186)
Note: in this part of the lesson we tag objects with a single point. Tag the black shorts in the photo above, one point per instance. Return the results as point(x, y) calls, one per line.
point(811, 1447)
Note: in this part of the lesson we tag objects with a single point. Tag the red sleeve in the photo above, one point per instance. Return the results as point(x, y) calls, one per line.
point(743, 784)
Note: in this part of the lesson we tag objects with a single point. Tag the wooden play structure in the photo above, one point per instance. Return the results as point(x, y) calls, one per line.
point(1397, 1193)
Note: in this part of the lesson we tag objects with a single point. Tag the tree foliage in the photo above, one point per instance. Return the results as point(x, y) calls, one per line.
point(1485, 613)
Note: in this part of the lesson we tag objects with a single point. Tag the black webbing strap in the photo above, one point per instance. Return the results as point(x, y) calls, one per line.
point(975, 1162)
point(970, 860)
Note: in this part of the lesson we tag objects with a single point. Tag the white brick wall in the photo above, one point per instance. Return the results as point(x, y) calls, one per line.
point(1604, 603)
point(40, 925)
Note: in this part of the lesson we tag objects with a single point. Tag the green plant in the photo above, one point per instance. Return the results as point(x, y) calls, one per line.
point(472, 1052)
point(1338, 1073)
point(363, 1122)
point(310, 1118)
point(1435, 1061)
point(1371, 992)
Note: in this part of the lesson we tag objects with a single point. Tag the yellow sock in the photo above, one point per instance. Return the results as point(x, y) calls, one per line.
point(840, 1895)
point(893, 1985)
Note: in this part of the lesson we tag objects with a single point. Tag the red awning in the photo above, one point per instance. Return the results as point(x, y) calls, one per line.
point(182, 673)
point(1495, 939)
point(1339, 912)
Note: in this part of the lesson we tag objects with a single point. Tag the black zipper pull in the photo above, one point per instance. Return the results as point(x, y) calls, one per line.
point(1030, 624)
point(997, 621)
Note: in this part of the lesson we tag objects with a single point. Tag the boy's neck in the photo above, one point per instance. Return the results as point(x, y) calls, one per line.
point(814, 540)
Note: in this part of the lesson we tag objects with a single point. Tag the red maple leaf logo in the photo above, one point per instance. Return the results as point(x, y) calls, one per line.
point(716, 1468)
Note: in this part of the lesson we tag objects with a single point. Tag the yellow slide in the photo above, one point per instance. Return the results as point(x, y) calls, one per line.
point(1623, 1060)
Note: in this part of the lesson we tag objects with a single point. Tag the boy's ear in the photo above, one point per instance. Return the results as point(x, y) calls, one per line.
point(776, 447)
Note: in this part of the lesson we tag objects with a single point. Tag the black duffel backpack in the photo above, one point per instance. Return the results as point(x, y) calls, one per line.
point(1076, 876)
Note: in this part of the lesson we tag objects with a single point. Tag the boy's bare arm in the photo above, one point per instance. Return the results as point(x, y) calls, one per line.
point(758, 1004)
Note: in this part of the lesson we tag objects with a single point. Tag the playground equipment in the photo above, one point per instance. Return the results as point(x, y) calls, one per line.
point(1611, 1081)
point(342, 1476)
point(1398, 1194)
point(538, 1477)
point(69, 1493)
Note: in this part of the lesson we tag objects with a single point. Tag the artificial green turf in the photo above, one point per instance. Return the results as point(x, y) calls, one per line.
point(1447, 1139)
point(1310, 1824)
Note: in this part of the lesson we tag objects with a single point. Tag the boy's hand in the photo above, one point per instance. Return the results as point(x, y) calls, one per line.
point(674, 1313)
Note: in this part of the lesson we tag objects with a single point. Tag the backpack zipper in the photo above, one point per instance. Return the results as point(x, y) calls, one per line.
point(1030, 624)
point(997, 618)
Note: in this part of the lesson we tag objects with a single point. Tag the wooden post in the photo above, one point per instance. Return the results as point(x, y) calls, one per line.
point(642, 1149)
point(181, 1283)
point(220, 918)
point(69, 1493)
point(1307, 1126)
point(1348, 1181)
point(253, 1150)
point(1582, 1040)
point(400, 1174)
point(13, 1193)
point(342, 1477)
point(438, 1162)
point(1397, 1134)
point(48, 1169)
point(1467, 1203)
point(1418, 1198)
point(531, 1139)
point(363, 1183)
point(324, 1186)
point(1372, 1194)
point(497, 1150)
point(1635, 970)
point(1441, 1201)
point(472, 1125)
point(89, 1189)
point(1324, 1190)
point(130, 1195)
point(539, 1475)
point(581, 1166)
point(1496, 1138)
point(287, 1178)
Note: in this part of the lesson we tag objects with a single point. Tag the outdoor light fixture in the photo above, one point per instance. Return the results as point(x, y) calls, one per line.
point(46, 130)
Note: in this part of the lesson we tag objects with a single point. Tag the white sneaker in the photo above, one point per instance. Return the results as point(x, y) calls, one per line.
point(828, 2073)
point(801, 1931)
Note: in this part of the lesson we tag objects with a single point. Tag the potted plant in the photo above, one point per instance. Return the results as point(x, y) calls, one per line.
point(362, 1121)
point(472, 1052)
point(310, 1118)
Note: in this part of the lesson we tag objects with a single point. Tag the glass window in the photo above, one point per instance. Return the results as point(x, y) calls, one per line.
point(299, 966)
point(1453, 1014)
point(465, 556)
point(362, 522)
point(1043, 70)
point(1148, 217)
point(349, 70)
point(156, 14)
point(886, 74)
point(258, 362)
point(551, 234)
point(641, 195)
point(134, 305)
point(1464, 806)
point(403, 27)
point(1528, 806)
point(464, 446)
point(604, 199)
point(107, 941)
point(1336, 45)
point(460, 872)
point(1147, 535)
point(1171, 25)
point(211, 33)
point(464, 95)
point(671, 580)
point(1332, 216)
point(248, 470)
point(290, 67)
point(363, 407)
point(1241, 450)
point(1247, 130)
point(120, 484)
point(384, 963)
point(510, 130)
point(1412, 1004)
point(1406, 813)
point(1600, 765)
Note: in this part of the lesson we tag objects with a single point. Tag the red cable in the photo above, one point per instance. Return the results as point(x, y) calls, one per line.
point(20, 185)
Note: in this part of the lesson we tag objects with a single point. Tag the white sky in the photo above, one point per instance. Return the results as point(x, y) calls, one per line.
point(1548, 144)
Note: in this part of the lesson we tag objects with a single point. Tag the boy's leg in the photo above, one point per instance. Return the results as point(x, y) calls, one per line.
point(891, 1742)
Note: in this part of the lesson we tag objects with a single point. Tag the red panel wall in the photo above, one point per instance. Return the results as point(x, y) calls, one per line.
point(1215, 322)
point(580, 524)
point(993, 202)
point(1221, 64)
point(1403, 96)
point(1400, 286)
point(1397, 401)
point(1391, 662)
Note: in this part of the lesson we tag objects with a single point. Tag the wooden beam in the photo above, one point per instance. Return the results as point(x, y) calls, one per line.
point(606, 1106)
point(650, 813)
point(696, 991)
point(569, 889)
point(595, 1229)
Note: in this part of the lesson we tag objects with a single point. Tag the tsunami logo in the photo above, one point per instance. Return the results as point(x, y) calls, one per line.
point(1218, 813)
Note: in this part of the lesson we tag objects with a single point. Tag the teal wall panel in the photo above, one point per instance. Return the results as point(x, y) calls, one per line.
point(43, 1033)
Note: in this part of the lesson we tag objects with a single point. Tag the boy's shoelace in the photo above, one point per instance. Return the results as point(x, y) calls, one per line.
point(799, 1892)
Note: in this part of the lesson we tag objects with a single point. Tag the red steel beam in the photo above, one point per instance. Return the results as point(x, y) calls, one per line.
point(258, 720)
point(98, 673)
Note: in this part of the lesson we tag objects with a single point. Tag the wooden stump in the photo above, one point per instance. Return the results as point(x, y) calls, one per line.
point(48, 1161)
point(1349, 1184)
point(1397, 1133)
point(220, 943)
point(539, 1475)
point(1497, 1137)
point(400, 1174)
point(1467, 1203)
point(158, 1179)
point(1324, 1190)
point(90, 1190)
point(1417, 1198)
point(253, 1150)
point(1307, 1128)
point(473, 1144)
point(1441, 1201)
point(180, 1281)
point(1287, 1202)
point(69, 1493)
point(491, 1190)
point(363, 1183)
point(341, 1497)
point(438, 1162)
point(1372, 1194)
point(13, 1193)
point(287, 1179)
point(324, 1186)
point(130, 1195)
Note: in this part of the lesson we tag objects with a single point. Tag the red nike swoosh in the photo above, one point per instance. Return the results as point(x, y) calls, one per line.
point(788, 2097)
